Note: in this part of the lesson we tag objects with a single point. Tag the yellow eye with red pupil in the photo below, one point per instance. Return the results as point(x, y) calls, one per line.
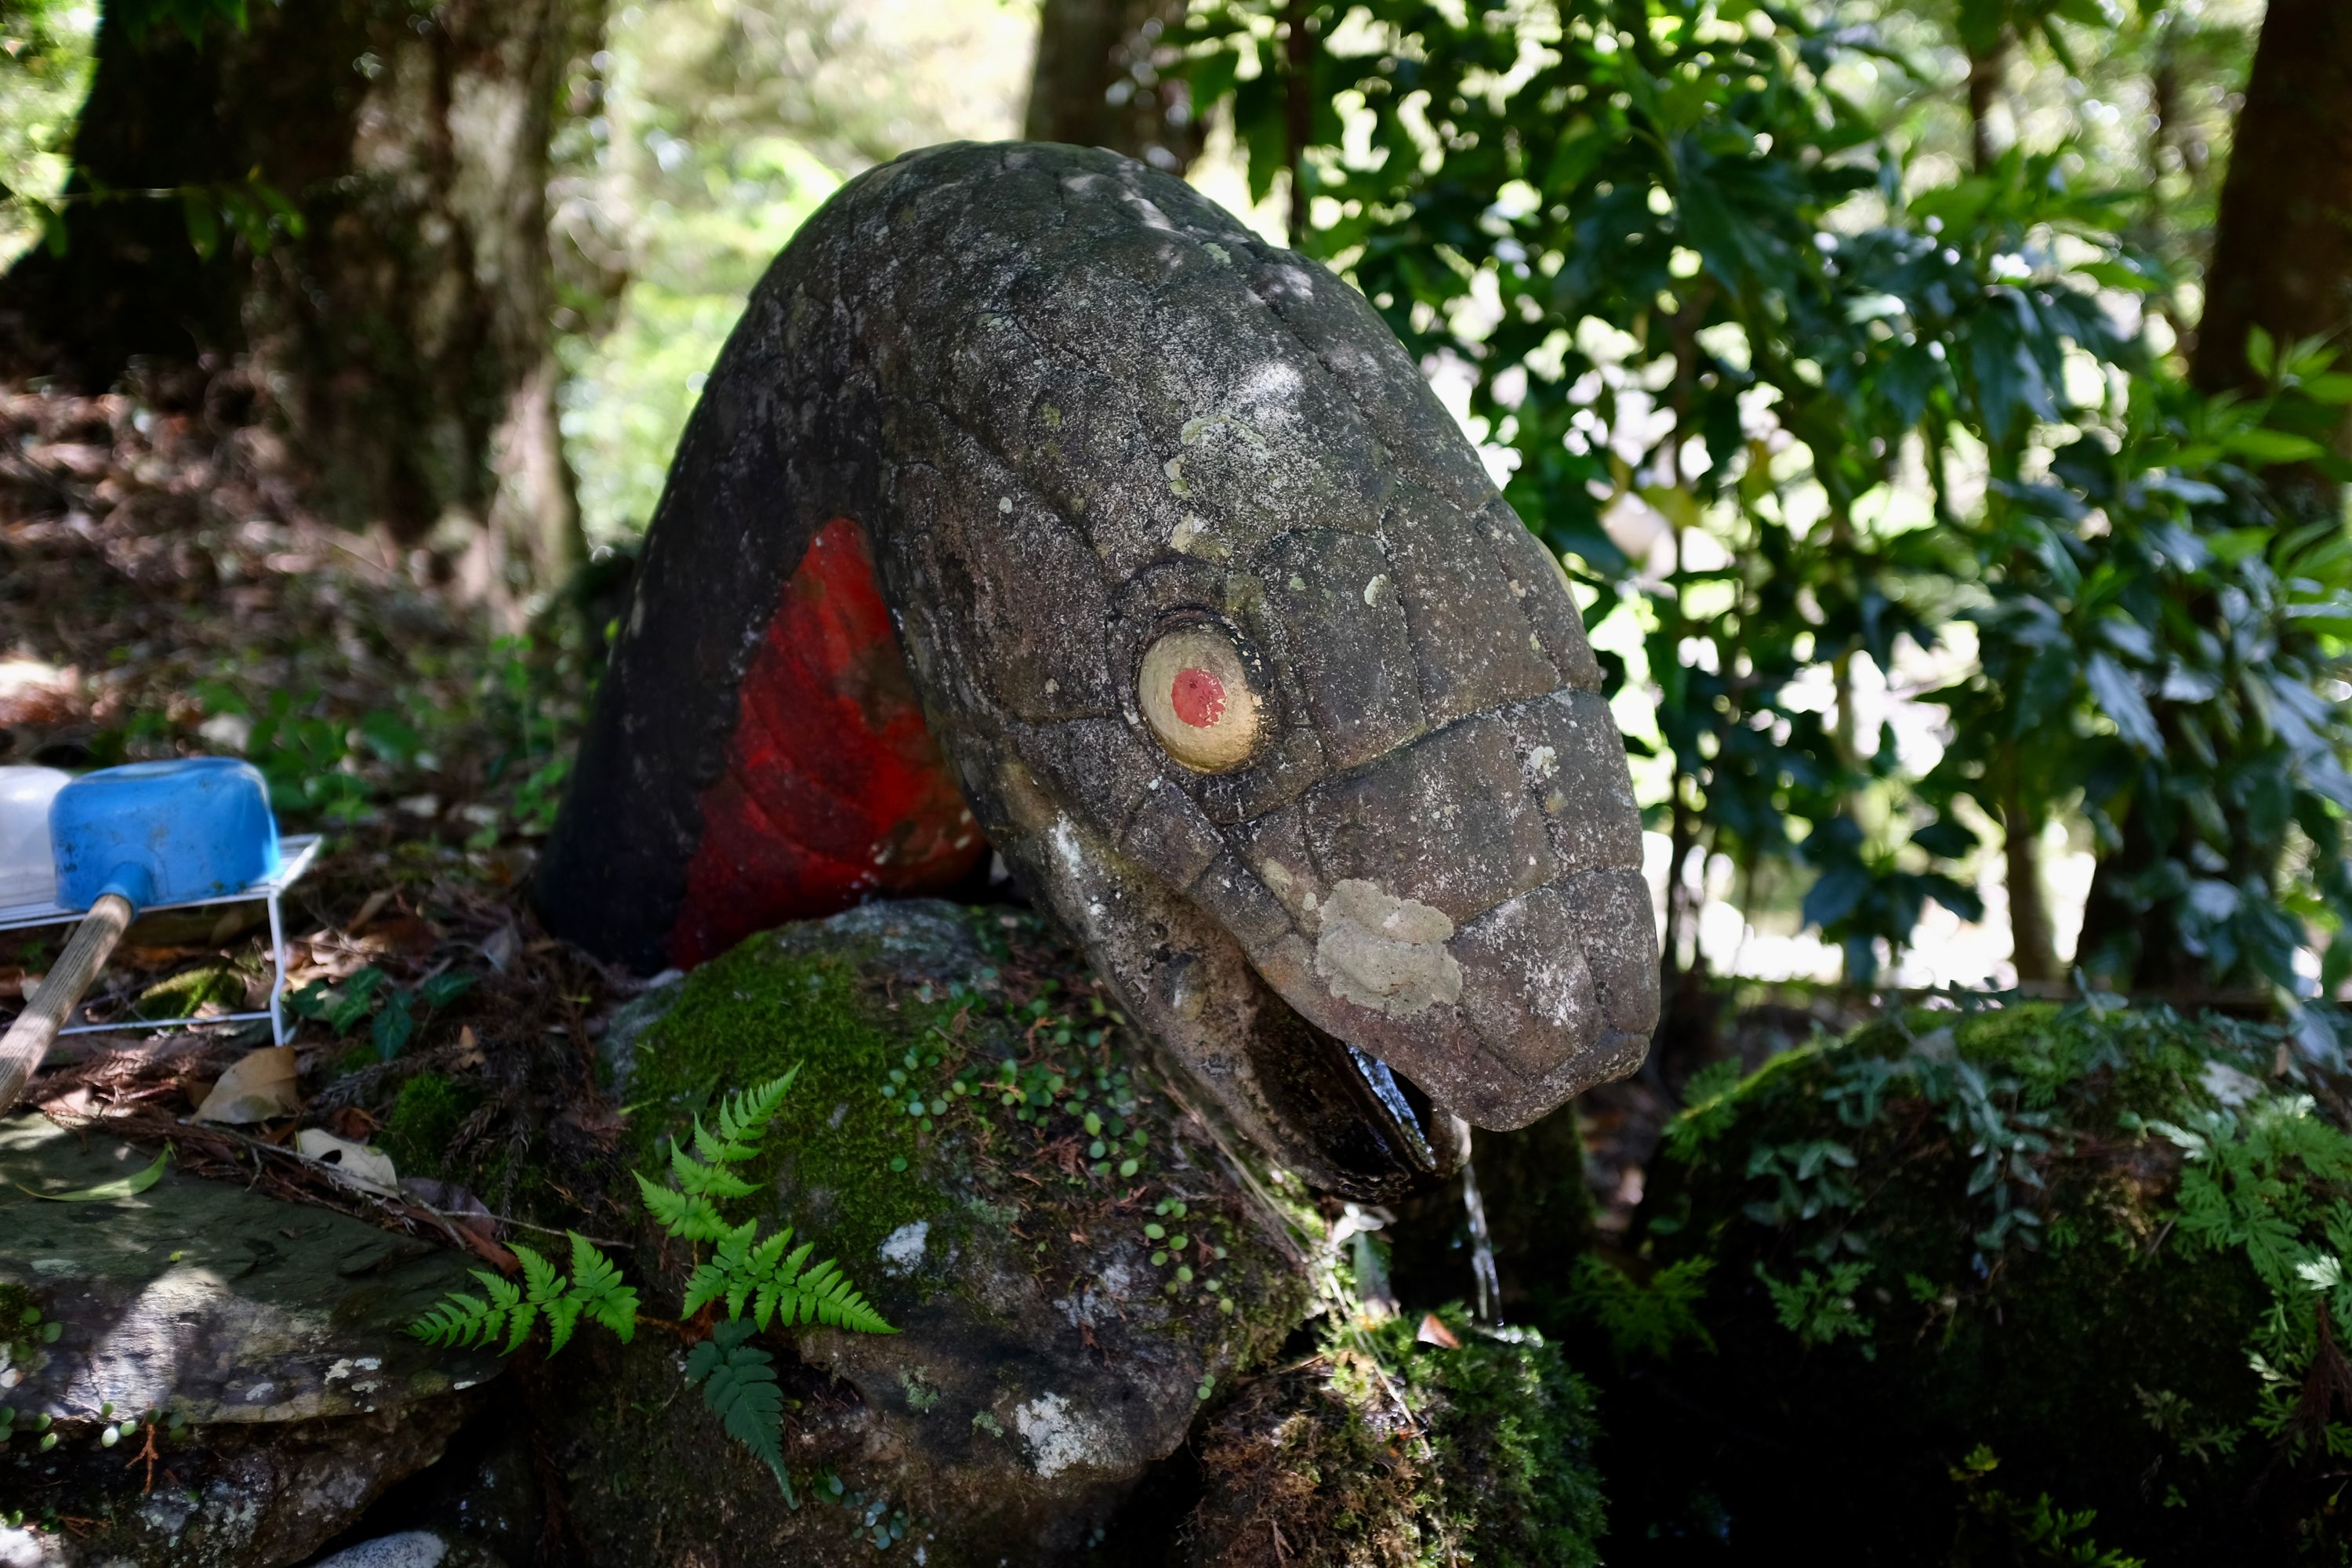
point(1195, 694)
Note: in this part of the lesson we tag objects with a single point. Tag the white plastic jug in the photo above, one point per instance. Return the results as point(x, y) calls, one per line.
point(28, 868)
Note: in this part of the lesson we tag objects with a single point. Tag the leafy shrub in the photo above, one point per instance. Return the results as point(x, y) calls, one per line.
point(2011, 1227)
point(1721, 315)
point(370, 996)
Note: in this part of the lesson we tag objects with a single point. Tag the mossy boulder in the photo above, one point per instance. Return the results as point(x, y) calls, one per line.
point(254, 1350)
point(1074, 1267)
point(1395, 1448)
point(1932, 1292)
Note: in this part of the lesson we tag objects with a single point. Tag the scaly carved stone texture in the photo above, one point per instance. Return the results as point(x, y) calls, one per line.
point(1078, 407)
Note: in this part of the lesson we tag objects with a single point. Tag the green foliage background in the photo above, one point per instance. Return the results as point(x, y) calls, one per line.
point(1839, 347)
point(1807, 387)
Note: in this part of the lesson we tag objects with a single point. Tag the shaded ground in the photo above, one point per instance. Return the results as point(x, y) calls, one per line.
point(162, 593)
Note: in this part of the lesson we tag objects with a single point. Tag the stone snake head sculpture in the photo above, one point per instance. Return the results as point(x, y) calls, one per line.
point(1228, 641)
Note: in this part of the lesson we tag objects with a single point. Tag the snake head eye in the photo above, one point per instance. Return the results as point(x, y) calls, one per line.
point(1195, 693)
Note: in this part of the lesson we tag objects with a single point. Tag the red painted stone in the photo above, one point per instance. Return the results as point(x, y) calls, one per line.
point(834, 792)
point(1198, 697)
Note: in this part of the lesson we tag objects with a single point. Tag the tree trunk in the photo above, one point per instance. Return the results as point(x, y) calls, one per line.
point(2033, 942)
point(1098, 81)
point(2282, 261)
point(408, 327)
point(1986, 66)
point(1297, 111)
point(2031, 945)
point(2283, 248)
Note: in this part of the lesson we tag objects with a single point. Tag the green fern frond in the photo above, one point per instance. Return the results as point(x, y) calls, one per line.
point(710, 1149)
point(696, 1178)
point(595, 1289)
point(540, 1282)
point(602, 1294)
point(691, 1217)
point(766, 1259)
point(562, 1314)
point(455, 1320)
point(704, 1286)
point(739, 1386)
point(825, 1295)
point(743, 1118)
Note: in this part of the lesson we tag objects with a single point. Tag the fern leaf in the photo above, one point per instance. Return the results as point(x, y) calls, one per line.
point(841, 1306)
point(711, 1150)
point(823, 1295)
point(455, 1320)
point(690, 1217)
point(524, 1314)
point(763, 1259)
point(540, 1282)
point(562, 1313)
point(712, 1181)
point(505, 1301)
point(739, 1386)
point(704, 1287)
point(664, 1203)
point(743, 1118)
point(602, 1294)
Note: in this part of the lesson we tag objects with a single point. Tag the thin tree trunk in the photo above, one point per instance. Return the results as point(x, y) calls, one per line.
point(2029, 940)
point(1297, 109)
point(1101, 80)
point(1986, 67)
point(2032, 941)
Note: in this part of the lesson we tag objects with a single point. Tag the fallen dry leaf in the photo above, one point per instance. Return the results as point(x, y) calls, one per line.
point(363, 1167)
point(258, 1087)
point(1434, 1331)
point(352, 1123)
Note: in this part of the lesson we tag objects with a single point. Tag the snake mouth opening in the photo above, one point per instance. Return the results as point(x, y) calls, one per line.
point(1376, 1135)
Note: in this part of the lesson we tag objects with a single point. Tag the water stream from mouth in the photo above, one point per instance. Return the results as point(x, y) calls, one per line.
point(1482, 1245)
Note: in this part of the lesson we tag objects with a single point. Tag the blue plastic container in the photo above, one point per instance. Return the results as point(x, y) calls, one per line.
point(162, 833)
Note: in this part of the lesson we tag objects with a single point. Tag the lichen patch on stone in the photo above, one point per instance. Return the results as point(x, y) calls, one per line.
point(1385, 952)
point(1057, 1438)
point(902, 1250)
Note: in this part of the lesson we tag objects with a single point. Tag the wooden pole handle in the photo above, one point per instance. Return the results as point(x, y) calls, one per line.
point(29, 1037)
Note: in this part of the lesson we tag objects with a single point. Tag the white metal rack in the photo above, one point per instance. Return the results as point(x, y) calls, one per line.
point(294, 856)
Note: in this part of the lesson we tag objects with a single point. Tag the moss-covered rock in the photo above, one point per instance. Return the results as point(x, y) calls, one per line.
point(1390, 1451)
point(1962, 1274)
point(253, 1349)
point(425, 1121)
point(1072, 1263)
